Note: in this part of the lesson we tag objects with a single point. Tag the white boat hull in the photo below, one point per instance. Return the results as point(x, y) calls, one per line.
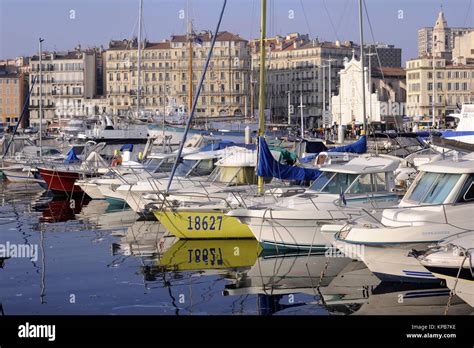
point(20, 176)
point(92, 190)
point(302, 234)
point(390, 263)
point(464, 288)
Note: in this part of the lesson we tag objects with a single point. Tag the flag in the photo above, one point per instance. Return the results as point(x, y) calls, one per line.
point(342, 197)
point(197, 40)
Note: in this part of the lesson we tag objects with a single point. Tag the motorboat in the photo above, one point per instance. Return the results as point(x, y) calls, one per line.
point(452, 260)
point(156, 165)
point(194, 175)
point(437, 205)
point(21, 167)
point(341, 192)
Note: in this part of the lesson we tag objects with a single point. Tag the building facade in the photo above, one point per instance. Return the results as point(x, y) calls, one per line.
point(383, 55)
point(12, 96)
point(298, 75)
point(453, 86)
point(164, 76)
point(384, 95)
point(69, 79)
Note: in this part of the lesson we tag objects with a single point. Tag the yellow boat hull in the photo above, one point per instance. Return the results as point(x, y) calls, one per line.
point(203, 225)
point(210, 254)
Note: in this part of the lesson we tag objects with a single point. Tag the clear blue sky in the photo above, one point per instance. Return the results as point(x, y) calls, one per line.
point(22, 22)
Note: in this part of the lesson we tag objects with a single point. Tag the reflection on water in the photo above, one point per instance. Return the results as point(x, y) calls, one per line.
point(99, 259)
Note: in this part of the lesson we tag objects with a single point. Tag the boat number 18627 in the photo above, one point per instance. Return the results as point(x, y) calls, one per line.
point(204, 223)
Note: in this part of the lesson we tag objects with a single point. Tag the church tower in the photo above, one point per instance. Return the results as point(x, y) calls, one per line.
point(440, 42)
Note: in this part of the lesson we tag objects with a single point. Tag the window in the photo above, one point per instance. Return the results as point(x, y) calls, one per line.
point(441, 188)
point(364, 184)
point(467, 191)
point(433, 188)
point(333, 182)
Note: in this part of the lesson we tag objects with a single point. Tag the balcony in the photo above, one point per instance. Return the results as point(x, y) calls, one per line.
point(63, 82)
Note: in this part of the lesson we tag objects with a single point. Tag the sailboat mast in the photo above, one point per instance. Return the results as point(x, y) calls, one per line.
point(41, 96)
point(190, 60)
point(261, 91)
point(361, 29)
point(140, 12)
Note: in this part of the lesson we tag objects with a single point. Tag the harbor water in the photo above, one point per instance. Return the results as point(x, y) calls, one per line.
point(85, 256)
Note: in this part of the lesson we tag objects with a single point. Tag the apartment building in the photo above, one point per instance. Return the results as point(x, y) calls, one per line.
point(164, 80)
point(12, 96)
point(297, 70)
point(451, 86)
point(69, 79)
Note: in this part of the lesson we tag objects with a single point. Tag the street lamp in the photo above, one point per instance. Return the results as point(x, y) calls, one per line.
point(330, 60)
point(370, 83)
point(324, 91)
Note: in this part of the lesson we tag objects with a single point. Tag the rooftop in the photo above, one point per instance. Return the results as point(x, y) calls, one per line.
point(388, 71)
point(204, 36)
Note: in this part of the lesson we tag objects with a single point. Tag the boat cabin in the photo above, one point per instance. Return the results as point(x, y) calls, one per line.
point(362, 175)
point(449, 181)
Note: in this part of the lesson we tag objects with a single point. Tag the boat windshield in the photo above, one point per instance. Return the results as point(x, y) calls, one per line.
point(51, 152)
point(433, 188)
point(329, 182)
point(195, 167)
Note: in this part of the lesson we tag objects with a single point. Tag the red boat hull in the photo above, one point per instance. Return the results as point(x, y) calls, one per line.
point(60, 181)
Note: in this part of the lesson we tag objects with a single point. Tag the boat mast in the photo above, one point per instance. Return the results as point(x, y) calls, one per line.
point(361, 30)
point(190, 60)
point(195, 100)
point(139, 39)
point(261, 91)
point(41, 96)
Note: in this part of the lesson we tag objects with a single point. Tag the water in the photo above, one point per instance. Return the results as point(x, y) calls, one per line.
point(97, 259)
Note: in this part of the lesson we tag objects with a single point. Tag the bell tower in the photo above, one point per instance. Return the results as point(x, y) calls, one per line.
point(440, 38)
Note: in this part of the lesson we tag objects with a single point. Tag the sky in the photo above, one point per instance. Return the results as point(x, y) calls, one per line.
point(66, 23)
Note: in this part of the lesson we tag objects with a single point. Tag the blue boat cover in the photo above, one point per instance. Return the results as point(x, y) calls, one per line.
point(360, 146)
point(269, 167)
point(126, 147)
point(71, 157)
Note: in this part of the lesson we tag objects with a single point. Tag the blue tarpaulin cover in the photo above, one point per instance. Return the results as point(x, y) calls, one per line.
point(269, 167)
point(71, 157)
point(126, 147)
point(360, 146)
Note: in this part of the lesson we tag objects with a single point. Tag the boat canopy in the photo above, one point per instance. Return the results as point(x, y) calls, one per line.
point(360, 146)
point(269, 167)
